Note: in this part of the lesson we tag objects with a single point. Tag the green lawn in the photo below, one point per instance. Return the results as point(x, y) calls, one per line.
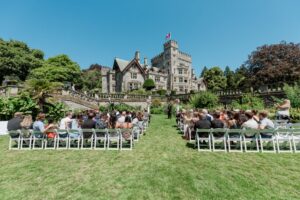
point(161, 166)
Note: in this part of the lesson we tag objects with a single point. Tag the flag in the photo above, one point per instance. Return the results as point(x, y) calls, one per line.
point(168, 36)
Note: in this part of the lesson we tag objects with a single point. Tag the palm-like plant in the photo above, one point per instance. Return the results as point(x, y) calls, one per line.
point(41, 89)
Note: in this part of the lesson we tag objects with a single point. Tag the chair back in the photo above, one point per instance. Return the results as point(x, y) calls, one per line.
point(14, 133)
point(62, 133)
point(74, 133)
point(234, 133)
point(283, 131)
point(250, 132)
point(113, 132)
point(26, 133)
point(219, 132)
point(281, 123)
point(295, 126)
point(100, 132)
point(48, 132)
point(296, 132)
point(203, 132)
point(267, 131)
point(37, 134)
point(125, 133)
point(87, 133)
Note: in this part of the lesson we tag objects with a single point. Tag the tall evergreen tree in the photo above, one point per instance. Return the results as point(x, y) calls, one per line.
point(203, 71)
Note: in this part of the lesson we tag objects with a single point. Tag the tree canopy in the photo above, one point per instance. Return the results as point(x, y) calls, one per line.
point(58, 69)
point(215, 79)
point(273, 63)
point(91, 78)
point(17, 59)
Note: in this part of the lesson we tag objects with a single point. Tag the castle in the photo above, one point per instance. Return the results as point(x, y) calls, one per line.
point(171, 70)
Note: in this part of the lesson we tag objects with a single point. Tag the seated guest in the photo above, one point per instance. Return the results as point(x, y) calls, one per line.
point(50, 134)
point(138, 120)
point(66, 122)
point(231, 121)
point(89, 123)
point(26, 124)
point(121, 119)
point(203, 123)
point(39, 125)
point(102, 123)
point(15, 123)
point(250, 123)
point(113, 120)
point(207, 115)
point(283, 110)
point(217, 122)
point(255, 115)
point(128, 118)
point(146, 115)
point(265, 122)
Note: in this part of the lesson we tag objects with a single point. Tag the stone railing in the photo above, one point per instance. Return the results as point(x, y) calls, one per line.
point(101, 97)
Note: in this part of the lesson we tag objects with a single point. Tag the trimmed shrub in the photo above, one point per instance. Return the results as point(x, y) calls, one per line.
point(204, 100)
point(161, 92)
point(149, 84)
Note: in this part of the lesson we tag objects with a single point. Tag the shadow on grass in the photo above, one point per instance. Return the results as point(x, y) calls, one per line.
point(190, 145)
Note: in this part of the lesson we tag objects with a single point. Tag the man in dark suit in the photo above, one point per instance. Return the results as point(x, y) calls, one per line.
point(202, 123)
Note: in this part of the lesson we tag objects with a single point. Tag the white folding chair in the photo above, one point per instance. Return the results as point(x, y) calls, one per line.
point(203, 138)
point(100, 139)
point(50, 142)
point(87, 138)
point(267, 137)
point(250, 136)
point(14, 137)
point(62, 139)
point(284, 140)
point(26, 139)
point(234, 140)
point(126, 139)
point(181, 126)
point(136, 133)
point(218, 135)
point(37, 140)
point(296, 139)
point(113, 139)
point(141, 126)
point(189, 132)
point(74, 139)
point(281, 124)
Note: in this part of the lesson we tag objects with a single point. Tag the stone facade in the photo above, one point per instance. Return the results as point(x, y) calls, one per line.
point(170, 70)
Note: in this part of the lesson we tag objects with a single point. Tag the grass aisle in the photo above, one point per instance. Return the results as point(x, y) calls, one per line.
point(161, 166)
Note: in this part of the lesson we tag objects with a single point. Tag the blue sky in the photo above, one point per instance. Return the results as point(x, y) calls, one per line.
point(214, 32)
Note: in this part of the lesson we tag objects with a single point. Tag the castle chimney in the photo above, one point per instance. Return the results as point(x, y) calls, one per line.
point(145, 61)
point(137, 56)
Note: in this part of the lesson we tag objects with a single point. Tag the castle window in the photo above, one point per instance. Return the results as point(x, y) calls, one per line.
point(180, 79)
point(133, 75)
point(157, 79)
point(179, 71)
point(113, 77)
point(174, 79)
point(181, 88)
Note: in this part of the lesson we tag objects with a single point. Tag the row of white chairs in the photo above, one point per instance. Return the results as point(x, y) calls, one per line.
point(248, 140)
point(100, 139)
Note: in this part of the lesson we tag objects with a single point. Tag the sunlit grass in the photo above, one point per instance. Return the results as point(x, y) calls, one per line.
point(161, 166)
